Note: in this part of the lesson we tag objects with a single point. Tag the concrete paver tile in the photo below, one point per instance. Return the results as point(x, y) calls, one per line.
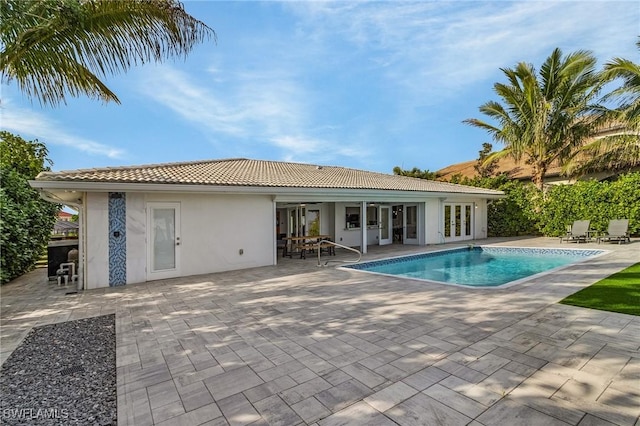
point(162, 413)
point(232, 382)
point(276, 412)
point(267, 389)
point(310, 410)
point(336, 377)
point(478, 393)
point(194, 396)
point(342, 395)
point(379, 359)
point(515, 414)
point(162, 394)
point(305, 390)
point(303, 375)
point(364, 375)
point(626, 417)
point(502, 381)
point(589, 420)
point(390, 372)
point(459, 370)
point(188, 377)
point(519, 368)
point(455, 400)
point(390, 396)
point(238, 410)
point(208, 414)
point(359, 414)
point(423, 410)
point(488, 364)
point(281, 370)
point(425, 378)
point(554, 407)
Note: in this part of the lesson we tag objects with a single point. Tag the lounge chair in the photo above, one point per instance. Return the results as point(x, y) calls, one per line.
point(579, 232)
point(618, 230)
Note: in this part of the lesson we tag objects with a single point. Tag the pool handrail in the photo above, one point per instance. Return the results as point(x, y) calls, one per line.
point(341, 246)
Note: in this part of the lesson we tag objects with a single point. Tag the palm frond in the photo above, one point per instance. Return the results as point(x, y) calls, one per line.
point(60, 48)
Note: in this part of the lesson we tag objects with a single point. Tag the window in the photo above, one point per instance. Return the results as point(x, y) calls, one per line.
point(353, 217)
point(372, 216)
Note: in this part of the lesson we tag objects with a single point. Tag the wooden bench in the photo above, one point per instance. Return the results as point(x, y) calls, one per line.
point(331, 249)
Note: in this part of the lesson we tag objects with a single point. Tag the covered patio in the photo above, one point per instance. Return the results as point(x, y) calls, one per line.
point(297, 344)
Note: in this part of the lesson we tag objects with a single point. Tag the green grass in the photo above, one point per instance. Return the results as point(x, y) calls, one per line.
point(619, 292)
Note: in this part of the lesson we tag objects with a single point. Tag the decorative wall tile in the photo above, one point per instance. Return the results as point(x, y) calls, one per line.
point(117, 239)
point(497, 250)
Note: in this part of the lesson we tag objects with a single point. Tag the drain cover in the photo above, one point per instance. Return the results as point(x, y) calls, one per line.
point(72, 369)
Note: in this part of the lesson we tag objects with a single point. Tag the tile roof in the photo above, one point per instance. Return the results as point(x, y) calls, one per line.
point(515, 170)
point(257, 173)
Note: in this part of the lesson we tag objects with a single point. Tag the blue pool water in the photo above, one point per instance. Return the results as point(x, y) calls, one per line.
point(477, 266)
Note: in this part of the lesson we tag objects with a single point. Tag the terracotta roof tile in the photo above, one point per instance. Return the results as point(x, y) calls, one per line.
point(257, 173)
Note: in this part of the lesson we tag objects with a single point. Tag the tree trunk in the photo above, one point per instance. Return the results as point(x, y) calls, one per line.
point(537, 175)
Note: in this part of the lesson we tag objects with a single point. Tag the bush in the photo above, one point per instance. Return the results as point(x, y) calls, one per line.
point(597, 201)
point(515, 214)
point(26, 220)
point(527, 211)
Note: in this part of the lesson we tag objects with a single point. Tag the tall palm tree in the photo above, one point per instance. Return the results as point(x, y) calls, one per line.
point(618, 147)
point(57, 48)
point(543, 116)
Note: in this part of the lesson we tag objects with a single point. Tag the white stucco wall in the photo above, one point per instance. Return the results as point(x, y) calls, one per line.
point(344, 236)
point(214, 228)
point(97, 246)
point(136, 238)
point(480, 219)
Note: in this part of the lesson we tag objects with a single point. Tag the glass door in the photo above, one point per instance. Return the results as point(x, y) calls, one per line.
point(411, 224)
point(385, 236)
point(458, 222)
point(163, 227)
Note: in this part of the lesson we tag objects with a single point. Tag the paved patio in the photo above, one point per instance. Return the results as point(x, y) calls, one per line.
point(296, 344)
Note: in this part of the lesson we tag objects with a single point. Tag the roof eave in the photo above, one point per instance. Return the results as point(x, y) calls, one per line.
point(281, 193)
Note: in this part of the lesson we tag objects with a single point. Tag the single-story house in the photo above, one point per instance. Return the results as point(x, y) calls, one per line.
point(143, 223)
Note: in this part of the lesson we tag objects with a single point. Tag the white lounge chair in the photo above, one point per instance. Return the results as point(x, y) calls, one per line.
point(618, 230)
point(579, 232)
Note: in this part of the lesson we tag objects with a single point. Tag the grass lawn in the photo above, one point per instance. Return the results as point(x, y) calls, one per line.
point(619, 292)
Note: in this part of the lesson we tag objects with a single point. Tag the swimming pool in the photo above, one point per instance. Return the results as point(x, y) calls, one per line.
point(481, 266)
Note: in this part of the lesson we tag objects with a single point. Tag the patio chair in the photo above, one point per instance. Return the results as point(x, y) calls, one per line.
point(618, 230)
point(579, 232)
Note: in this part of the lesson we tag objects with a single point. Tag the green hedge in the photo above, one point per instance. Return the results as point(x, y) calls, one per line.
point(527, 211)
point(26, 220)
point(597, 201)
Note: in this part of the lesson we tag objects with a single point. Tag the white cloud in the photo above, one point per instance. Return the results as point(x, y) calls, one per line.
point(248, 107)
point(439, 47)
point(27, 123)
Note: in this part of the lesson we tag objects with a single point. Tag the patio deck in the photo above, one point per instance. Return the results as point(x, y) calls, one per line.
point(297, 344)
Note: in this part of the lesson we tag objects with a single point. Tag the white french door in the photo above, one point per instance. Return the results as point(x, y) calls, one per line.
point(458, 222)
point(385, 236)
point(163, 240)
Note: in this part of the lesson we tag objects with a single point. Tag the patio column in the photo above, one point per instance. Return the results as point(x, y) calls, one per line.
point(363, 227)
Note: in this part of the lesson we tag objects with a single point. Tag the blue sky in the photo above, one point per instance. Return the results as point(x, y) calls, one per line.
point(355, 84)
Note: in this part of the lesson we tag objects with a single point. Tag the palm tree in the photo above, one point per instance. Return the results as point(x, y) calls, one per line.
point(56, 48)
point(618, 145)
point(543, 118)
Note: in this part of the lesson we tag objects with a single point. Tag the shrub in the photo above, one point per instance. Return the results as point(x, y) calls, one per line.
point(26, 220)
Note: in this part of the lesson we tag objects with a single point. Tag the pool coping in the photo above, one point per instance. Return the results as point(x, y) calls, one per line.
point(603, 252)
